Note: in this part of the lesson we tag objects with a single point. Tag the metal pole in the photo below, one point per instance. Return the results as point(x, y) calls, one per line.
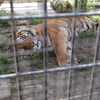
point(15, 52)
point(95, 60)
point(72, 54)
point(45, 50)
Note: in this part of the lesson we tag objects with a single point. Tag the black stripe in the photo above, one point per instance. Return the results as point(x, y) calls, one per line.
point(87, 25)
point(26, 31)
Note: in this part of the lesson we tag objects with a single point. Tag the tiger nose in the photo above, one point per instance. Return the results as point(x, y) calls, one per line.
point(33, 44)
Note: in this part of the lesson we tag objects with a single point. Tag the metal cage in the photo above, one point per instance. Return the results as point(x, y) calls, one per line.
point(53, 77)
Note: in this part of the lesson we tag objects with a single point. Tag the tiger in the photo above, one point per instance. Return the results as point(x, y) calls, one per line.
point(59, 37)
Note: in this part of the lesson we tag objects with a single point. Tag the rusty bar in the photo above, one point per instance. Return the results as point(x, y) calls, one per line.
point(45, 51)
point(58, 69)
point(95, 61)
point(15, 51)
point(72, 51)
point(48, 16)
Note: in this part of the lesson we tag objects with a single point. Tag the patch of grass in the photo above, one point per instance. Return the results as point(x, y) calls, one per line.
point(6, 40)
point(4, 33)
point(5, 70)
point(3, 64)
point(94, 18)
point(14, 90)
point(51, 54)
point(4, 23)
point(7, 23)
point(93, 40)
point(86, 61)
point(4, 43)
point(4, 61)
point(83, 60)
point(34, 21)
point(84, 69)
point(38, 58)
point(18, 14)
point(4, 13)
point(35, 59)
point(34, 14)
point(88, 33)
point(39, 76)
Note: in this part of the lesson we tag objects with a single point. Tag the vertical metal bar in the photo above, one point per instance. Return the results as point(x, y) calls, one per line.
point(95, 60)
point(45, 50)
point(72, 54)
point(15, 51)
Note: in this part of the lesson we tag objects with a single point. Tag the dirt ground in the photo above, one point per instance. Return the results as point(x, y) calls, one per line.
point(33, 86)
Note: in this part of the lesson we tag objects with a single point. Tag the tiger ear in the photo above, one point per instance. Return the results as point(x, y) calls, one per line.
point(97, 25)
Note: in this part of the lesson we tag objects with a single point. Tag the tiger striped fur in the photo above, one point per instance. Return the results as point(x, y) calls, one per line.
point(59, 36)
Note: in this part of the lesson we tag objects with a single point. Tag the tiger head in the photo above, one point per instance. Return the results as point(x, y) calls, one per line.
point(96, 26)
point(27, 41)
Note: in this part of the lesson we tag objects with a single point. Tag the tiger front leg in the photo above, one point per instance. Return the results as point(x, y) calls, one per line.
point(62, 60)
point(61, 55)
point(68, 49)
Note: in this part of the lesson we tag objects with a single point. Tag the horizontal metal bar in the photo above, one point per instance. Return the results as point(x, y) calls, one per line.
point(49, 16)
point(50, 70)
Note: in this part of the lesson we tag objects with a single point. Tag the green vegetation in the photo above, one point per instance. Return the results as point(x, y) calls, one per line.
point(97, 0)
point(38, 58)
point(7, 23)
point(85, 69)
point(84, 61)
point(61, 7)
point(14, 90)
point(93, 0)
point(4, 13)
point(65, 5)
point(34, 60)
point(93, 40)
point(87, 8)
point(94, 18)
point(6, 40)
point(3, 60)
point(89, 33)
point(3, 64)
point(4, 23)
point(34, 14)
point(35, 21)
point(90, 7)
point(39, 76)
point(17, 14)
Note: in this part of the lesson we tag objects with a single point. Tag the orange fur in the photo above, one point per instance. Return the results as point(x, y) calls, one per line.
point(59, 33)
